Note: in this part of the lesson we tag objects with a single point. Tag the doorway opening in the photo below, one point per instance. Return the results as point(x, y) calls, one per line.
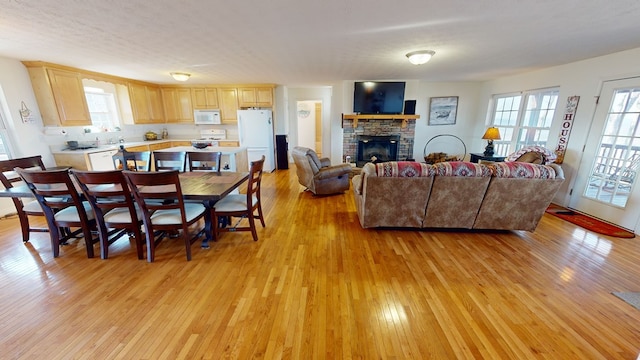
point(309, 117)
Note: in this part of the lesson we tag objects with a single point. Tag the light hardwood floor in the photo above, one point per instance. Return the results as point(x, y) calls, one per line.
point(318, 286)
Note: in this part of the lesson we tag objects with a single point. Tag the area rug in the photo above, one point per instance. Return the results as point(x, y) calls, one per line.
point(588, 222)
point(631, 298)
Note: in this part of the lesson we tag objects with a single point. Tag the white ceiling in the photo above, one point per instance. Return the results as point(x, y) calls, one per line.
point(298, 42)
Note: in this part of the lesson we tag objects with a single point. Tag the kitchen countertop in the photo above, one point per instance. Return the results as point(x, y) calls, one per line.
point(107, 147)
point(223, 149)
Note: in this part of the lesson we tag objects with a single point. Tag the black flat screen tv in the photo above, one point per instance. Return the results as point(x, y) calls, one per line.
point(379, 97)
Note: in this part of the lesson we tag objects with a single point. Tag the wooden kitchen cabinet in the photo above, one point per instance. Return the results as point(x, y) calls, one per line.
point(160, 145)
point(180, 143)
point(92, 161)
point(177, 105)
point(204, 98)
point(137, 148)
point(255, 97)
point(146, 103)
point(75, 160)
point(228, 143)
point(228, 100)
point(60, 96)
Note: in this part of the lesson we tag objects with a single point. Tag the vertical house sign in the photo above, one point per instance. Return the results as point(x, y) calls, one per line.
point(565, 130)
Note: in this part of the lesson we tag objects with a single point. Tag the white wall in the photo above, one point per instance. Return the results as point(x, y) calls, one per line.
point(468, 96)
point(466, 119)
point(318, 93)
point(27, 139)
point(583, 78)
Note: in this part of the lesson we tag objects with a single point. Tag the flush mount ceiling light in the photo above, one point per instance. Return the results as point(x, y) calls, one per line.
point(180, 76)
point(420, 57)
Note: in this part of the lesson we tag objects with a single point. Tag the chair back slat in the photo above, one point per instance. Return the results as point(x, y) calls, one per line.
point(8, 175)
point(155, 191)
point(169, 160)
point(232, 205)
point(111, 200)
point(204, 160)
point(9, 178)
point(106, 190)
point(57, 194)
point(255, 180)
point(159, 196)
point(134, 160)
point(52, 186)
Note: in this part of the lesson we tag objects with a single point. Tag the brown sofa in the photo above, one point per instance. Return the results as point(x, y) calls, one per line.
point(317, 175)
point(508, 196)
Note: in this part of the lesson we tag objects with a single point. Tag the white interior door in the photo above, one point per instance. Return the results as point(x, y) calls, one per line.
point(605, 184)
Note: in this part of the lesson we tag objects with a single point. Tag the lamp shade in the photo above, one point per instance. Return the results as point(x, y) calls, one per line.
point(420, 57)
point(492, 133)
point(180, 76)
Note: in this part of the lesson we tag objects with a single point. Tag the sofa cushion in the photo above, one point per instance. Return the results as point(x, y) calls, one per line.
point(532, 157)
point(547, 155)
point(315, 163)
point(357, 184)
point(403, 169)
point(522, 170)
point(461, 168)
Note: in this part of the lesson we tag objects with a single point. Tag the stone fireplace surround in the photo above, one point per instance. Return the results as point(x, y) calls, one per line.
point(376, 127)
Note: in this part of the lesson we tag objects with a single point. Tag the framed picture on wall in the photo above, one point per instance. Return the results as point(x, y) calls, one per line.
point(443, 110)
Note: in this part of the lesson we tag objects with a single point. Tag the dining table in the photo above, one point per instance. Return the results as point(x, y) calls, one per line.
point(209, 187)
point(205, 186)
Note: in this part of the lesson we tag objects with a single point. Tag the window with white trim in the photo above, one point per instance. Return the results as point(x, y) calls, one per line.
point(524, 119)
point(102, 108)
point(5, 148)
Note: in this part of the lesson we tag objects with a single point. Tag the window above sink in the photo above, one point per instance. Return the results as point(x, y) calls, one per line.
point(105, 102)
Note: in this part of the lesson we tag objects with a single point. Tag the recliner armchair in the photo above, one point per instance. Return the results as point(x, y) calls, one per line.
point(317, 175)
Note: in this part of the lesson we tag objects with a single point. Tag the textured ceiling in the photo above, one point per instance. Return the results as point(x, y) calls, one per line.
point(295, 42)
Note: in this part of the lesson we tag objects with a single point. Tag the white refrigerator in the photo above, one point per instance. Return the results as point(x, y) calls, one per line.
point(255, 130)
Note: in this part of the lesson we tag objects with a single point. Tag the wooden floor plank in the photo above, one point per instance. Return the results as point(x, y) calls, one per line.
point(316, 285)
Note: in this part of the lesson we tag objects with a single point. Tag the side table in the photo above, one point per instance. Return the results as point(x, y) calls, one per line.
point(477, 157)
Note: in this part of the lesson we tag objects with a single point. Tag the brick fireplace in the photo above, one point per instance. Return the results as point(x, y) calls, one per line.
point(384, 128)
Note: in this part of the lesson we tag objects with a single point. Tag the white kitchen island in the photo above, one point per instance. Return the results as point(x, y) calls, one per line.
point(233, 158)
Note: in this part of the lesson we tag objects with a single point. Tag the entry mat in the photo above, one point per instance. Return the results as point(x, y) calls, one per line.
point(588, 222)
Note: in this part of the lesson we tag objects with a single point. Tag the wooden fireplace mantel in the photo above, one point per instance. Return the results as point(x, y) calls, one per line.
point(404, 118)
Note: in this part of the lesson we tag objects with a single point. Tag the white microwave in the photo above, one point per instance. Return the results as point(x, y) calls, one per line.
point(206, 117)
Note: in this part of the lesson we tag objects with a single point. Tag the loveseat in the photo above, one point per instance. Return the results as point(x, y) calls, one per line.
point(318, 175)
point(506, 196)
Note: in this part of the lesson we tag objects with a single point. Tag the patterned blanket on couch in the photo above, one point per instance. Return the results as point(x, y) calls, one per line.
point(403, 169)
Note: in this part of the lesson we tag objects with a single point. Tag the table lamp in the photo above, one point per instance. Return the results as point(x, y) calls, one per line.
point(491, 134)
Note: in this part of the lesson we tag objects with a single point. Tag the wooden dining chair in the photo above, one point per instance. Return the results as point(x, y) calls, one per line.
point(159, 196)
point(134, 160)
point(242, 205)
point(169, 160)
point(114, 207)
point(204, 160)
point(24, 207)
point(62, 206)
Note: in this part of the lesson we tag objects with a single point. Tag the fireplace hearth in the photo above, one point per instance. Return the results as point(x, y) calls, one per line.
point(376, 149)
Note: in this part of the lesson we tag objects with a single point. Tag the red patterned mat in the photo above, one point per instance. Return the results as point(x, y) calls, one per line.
point(588, 222)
